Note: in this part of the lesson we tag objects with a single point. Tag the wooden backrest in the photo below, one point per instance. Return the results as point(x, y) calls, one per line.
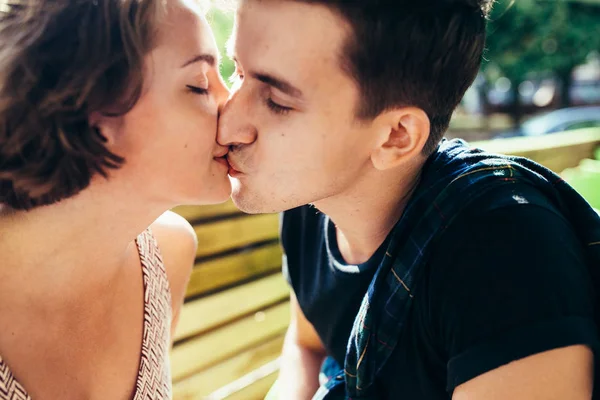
point(236, 312)
point(557, 151)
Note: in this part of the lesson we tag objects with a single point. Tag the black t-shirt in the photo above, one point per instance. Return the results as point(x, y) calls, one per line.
point(503, 283)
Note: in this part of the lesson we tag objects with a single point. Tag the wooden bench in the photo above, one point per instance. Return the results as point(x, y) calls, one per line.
point(231, 327)
point(557, 151)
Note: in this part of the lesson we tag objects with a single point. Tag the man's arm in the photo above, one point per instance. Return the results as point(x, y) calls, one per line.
point(559, 374)
point(301, 358)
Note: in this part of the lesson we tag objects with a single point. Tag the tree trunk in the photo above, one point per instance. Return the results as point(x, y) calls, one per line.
point(482, 92)
point(566, 79)
point(516, 112)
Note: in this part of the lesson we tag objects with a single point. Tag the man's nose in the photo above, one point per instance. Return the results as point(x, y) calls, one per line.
point(235, 122)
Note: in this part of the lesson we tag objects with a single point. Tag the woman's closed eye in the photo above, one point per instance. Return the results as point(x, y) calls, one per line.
point(197, 90)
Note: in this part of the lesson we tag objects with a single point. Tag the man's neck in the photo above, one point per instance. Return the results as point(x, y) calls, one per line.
point(74, 247)
point(365, 215)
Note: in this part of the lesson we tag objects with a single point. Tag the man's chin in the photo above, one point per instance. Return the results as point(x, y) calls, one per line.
point(248, 206)
point(253, 200)
point(243, 199)
point(250, 202)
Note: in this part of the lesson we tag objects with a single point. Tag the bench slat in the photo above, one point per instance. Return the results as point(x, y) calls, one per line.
point(207, 313)
point(193, 356)
point(256, 391)
point(237, 232)
point(556, 152)
point(225, 271)
point(220, 375)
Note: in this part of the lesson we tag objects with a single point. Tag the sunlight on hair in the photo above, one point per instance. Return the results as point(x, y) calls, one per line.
point(224, 5)
point(199, 6)
point(7, 5)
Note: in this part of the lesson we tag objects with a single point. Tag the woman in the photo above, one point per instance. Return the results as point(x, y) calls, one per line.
point(108, 113)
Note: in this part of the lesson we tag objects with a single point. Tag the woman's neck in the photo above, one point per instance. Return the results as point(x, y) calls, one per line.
point(71, 248)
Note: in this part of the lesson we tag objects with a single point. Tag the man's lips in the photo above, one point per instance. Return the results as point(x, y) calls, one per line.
point(233, 168)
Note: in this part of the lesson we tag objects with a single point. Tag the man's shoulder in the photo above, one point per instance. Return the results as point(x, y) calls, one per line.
point(511, 195)
point(510, 228)
point(496, 214)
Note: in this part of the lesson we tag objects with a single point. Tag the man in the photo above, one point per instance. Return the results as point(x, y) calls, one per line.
point(419, 270)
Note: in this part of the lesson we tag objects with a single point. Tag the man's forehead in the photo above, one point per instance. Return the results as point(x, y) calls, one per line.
point(286, 34)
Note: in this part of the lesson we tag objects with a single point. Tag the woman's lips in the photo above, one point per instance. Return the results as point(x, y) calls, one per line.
point(222, 161)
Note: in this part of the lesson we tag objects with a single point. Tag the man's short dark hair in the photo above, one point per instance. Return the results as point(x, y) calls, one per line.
point(413, 53)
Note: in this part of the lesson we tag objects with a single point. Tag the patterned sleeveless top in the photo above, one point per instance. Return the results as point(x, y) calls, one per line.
point(154, 374)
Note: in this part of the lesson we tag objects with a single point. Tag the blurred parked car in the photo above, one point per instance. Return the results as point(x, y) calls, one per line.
point(534, 95)
point(561, 120)
point(585, 93)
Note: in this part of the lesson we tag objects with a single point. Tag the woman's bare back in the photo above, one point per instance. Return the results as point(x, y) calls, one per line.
point(115, 350)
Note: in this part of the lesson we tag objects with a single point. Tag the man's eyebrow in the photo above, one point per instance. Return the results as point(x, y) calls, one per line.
point(208, 58)
point(278, 83)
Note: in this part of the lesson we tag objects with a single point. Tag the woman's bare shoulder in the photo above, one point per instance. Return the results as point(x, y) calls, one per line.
point(177, 242)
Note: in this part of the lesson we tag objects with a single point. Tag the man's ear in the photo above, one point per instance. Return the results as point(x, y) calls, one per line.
point(403, 133)
point(109, 127)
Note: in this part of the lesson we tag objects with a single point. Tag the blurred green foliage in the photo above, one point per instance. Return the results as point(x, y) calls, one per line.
point(586, 180)
point(221, 23)
point(529, 36)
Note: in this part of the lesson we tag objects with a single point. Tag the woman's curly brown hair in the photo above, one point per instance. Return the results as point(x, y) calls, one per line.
point(61, 60)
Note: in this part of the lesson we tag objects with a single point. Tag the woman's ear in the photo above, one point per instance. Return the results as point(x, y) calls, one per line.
point(108, 126)
point(403, 135)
